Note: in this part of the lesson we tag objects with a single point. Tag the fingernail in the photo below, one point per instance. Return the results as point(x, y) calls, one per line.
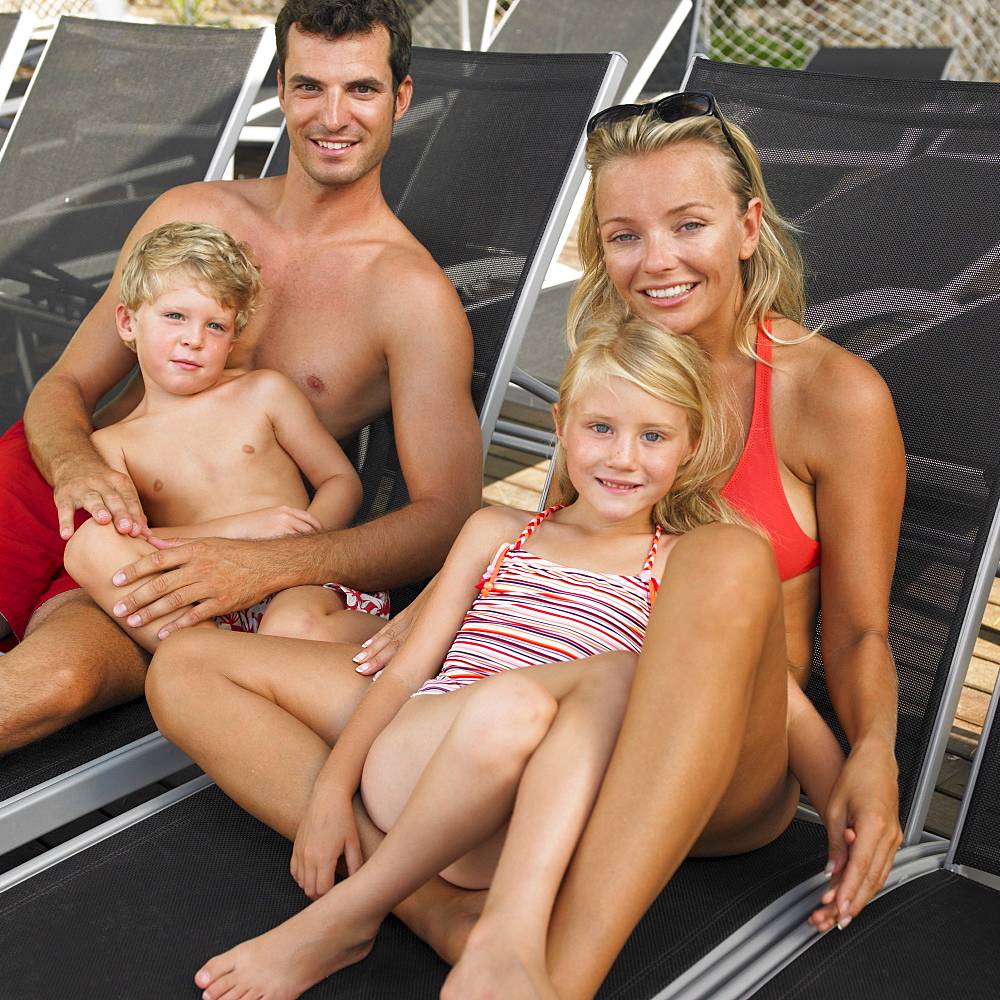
point(124, 524)
point(133, 620)
point(841, 924)
point(161, 634)
point(360, 657)
point(118, 579)
point(844, 907)
point(366, 643)
point(828, 870)
point(64, 532)
point(119, 609)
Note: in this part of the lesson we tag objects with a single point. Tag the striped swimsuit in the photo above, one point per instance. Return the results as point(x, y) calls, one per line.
point(532, 611)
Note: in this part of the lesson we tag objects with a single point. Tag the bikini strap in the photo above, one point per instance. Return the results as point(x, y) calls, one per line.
point(646, 574)
point(488, 580)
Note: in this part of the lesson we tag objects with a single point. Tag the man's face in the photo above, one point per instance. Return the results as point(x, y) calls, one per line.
point(339, 105)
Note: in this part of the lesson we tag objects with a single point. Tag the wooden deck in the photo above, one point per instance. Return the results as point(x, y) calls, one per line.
point(516, 480)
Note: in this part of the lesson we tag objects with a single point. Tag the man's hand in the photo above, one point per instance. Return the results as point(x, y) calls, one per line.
point(216, 575)
point(108, 495)
point(863, 825)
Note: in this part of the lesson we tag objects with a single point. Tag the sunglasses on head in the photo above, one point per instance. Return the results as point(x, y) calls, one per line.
point(692, 104)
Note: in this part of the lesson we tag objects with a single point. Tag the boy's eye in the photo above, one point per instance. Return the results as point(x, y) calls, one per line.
point(217, 326)
point(174, 316)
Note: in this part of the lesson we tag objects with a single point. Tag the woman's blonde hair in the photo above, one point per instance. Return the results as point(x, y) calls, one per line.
point(205, 255)
point(671, 368)
point(772, 277)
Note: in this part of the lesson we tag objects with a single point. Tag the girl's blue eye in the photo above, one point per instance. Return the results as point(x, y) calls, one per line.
point(602, 428)
point(651, 436)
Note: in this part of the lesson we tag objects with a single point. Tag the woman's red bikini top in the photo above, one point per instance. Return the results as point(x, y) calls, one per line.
point(755, 486)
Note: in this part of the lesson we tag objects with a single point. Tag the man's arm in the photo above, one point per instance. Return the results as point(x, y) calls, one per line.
point(429, 353)
point(58, 414)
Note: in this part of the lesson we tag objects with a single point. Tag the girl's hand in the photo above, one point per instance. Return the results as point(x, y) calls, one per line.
point(379, 650)
point(328, 832)
point(270, 522)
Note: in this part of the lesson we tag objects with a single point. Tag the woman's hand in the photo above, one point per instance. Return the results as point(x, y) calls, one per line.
point(862, 821)
point(328, 832)
point(385, 643)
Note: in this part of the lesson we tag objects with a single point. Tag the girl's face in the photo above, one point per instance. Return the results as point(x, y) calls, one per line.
point(673, 237)
point(623, 448)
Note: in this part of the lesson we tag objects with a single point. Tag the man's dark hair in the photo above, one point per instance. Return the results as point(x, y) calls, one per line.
point(337, 18)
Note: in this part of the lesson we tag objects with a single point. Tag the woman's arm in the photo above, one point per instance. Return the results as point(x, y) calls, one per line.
point(860, 475)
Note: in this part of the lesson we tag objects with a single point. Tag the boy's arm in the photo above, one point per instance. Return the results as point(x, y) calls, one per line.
point(814, 755)
point(313, 449)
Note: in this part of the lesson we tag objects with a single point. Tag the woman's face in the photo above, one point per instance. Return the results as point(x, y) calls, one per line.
point(673, 237)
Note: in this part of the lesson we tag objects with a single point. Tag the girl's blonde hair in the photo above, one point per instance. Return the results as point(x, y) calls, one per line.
point(773, 279)
point(206, 255)
point(671, 368)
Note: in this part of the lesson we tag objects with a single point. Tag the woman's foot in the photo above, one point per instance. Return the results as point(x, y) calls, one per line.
point(283, 963)
point(494, 966)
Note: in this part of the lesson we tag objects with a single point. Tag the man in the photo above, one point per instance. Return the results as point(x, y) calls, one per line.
point(354, 310)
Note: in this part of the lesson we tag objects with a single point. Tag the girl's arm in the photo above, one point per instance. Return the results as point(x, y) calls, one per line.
point(298, 430)
point(814, 755)
point(328, 830)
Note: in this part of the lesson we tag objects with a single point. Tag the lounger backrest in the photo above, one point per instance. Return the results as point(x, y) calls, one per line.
point(14, 33)
point(479, 170)
point(640, 29)
point(115, 115)
point(895, 187)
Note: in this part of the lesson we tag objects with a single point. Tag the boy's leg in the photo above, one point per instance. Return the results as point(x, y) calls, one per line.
point(93, 555)
point(702, 758)
point(258, 713)
point(313, 612)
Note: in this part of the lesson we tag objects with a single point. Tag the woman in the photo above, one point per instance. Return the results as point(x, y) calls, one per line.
point(678, 228)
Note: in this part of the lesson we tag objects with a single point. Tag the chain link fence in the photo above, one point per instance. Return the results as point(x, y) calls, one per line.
point(787, 32)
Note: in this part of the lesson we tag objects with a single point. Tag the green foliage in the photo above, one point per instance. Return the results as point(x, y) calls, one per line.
point(781, 48)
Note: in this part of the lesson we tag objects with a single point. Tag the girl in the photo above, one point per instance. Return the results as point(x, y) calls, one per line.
point(492, 782)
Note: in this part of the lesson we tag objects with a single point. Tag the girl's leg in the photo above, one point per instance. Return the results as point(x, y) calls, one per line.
point(505, 955)
point(498, 725)
point(702, 758)
point(313, 612)
point(258, 713)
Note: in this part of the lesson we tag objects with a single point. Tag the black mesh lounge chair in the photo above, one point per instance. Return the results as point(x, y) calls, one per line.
point(640, 29)
point(899, 64)
point(75, 174)
point(933, 936)
point(479, 169)
point(493, 231)
point(717, 915)
point(15, 30)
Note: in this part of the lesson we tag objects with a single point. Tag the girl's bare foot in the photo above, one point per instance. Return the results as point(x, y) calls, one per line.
point(494, 966)
point(283, 963)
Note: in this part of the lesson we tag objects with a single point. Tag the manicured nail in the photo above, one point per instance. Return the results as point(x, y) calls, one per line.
point(119, 609)
point(366, 643)
point(134, 620)
point(118, 579)
point(842, 924)
point(828, 870)
point(360, 657)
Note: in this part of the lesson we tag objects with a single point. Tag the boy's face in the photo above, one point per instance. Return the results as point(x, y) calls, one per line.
point(182, 338)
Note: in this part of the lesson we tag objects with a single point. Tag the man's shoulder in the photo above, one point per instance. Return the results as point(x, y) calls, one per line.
point(223, 203)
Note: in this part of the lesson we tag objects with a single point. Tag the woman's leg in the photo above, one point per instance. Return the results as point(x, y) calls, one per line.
point(258, 713)
point(702, 757)
point(498, 725)
point(314, 612)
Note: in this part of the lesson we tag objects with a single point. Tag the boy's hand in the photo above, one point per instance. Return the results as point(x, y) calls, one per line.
point(108, 495)
point(328, 831)
point(271, 522)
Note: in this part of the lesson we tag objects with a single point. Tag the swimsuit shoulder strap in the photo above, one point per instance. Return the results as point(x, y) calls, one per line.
point(532, 524)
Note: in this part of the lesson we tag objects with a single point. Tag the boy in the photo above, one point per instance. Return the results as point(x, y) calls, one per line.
point(215, 452)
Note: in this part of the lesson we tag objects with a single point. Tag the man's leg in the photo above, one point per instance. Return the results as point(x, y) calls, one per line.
point(72, 662)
